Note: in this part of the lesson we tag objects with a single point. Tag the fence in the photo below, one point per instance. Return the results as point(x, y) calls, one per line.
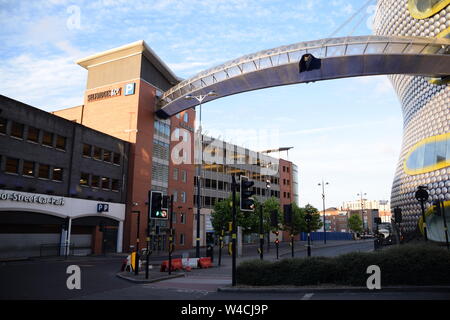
point(329, 236)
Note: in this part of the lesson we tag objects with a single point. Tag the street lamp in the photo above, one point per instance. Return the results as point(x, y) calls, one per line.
point(200, 99)
point(324, 218)
point(362, 209)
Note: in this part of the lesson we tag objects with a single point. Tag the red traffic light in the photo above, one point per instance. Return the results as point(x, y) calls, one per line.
point(277, 241)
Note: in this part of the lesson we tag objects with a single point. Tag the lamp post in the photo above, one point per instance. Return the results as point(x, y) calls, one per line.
point(362, 209)
point(200, 99)
point(324, 218)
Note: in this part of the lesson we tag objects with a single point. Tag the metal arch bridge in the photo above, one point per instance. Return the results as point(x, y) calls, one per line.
point(340, 58)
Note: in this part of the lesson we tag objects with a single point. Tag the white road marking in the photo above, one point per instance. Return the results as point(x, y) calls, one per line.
point(307, 296)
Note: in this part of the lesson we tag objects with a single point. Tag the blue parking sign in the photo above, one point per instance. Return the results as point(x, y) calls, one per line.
point(129, 88)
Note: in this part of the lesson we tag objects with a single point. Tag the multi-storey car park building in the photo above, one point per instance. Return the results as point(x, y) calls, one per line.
point(111, 151)
point(425, 154)
point(55, 172)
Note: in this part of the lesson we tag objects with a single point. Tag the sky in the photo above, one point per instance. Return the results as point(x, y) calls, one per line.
point(346, 132)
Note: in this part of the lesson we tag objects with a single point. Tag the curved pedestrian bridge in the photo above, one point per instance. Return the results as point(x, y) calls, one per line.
point(338, 58)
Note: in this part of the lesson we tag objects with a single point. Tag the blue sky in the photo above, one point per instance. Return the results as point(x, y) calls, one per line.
point(346, 131)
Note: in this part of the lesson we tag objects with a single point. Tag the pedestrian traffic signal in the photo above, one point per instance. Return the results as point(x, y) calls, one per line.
point(287, 209)
point(308, 218)
point(277, 241)
point(156, 205)
point(247, 202)
point(398, 214)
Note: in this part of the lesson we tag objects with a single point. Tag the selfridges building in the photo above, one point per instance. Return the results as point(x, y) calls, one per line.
point(425, 154)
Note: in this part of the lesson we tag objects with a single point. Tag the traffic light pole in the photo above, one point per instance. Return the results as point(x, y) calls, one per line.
point(171, 234)
point(233, 236)
point(220, 246)
point(261, 233)
point(292, 245)
point(136, 257)
point(424, 221)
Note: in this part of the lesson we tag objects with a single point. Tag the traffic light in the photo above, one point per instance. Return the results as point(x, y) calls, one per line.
point(156, 205)
point(437, 208)
point(308, 219)
point(247, 202)
point(287, 209)
point(274, 218)
point(308, 62)
point(398, 214)
point(277, 241)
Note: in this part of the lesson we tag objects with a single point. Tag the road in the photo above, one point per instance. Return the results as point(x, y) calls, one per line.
point(47, 280)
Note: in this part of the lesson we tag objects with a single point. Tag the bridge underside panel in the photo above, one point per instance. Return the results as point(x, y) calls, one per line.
point(331, 68)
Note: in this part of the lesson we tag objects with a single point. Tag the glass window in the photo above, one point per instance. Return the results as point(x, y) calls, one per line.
point(44, 171)
point(47, 139)
point(97, 153)
point(115, 185)
point(17, 130)
point(105, 183)
point(57, 174)
point(87, 150)
point(175, 174)
point(430, 154)
point(28, 168)
point(183, 175)
point(84, 179)
point(175, 196)
point(186, 117)
point(181, 238)
point(33, 134)
point(107, 155)
point(60, 142)
point(182, 218)
point(95, 181)
point(183, 197)
point(12, 165)
point(3, 123)
point(116, 158)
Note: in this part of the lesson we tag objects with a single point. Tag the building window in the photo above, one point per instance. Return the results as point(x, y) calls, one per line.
point(12, 165)
point(60, 142)
point(115, 185)
point(47, 139)
point(186, 117)
point(95, 181)
point(84, 179)
point(174, 217)
point(175, 196)
point(116, 158)
point(17, 130)
point(183, 197)
point(33, 134)
point(105, 183)
point(97, 153)
point(175, 173)
point(182, 239)
point(107, 156)
point(44, 171)
point(182, 218)
point(87, 150)
point(28, 168)
point(3, 123)
point(183, 175)
point(57, 174)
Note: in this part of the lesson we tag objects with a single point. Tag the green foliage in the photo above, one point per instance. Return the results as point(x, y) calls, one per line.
point(399, 265)
point(222, 215)
point(298, 219)
point(355, 223)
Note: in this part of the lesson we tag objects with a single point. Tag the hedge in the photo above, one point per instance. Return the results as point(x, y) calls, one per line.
point(400, 265)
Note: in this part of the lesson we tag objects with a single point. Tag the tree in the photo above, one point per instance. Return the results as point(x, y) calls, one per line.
point(355, 223)
point(222, 215)
point(298, 219)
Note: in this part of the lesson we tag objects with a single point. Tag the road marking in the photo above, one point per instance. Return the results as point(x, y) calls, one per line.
point(307, 296)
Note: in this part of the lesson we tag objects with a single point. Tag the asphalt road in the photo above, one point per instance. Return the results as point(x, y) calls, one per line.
point(47, 280)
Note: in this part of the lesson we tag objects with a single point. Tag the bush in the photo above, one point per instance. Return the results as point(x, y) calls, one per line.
point(405, 265)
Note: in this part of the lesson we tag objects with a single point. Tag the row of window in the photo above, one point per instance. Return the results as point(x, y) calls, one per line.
point(100, 154)
point(162, 129)
point(287, 195)
point(176, 174)
point(96, 181)
point(220, 168)
point(286, 182)
point(225, 186)
point(285, 169)
point(182, 218)
point(32, 169)
point(183, 198)
point(32, 134)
